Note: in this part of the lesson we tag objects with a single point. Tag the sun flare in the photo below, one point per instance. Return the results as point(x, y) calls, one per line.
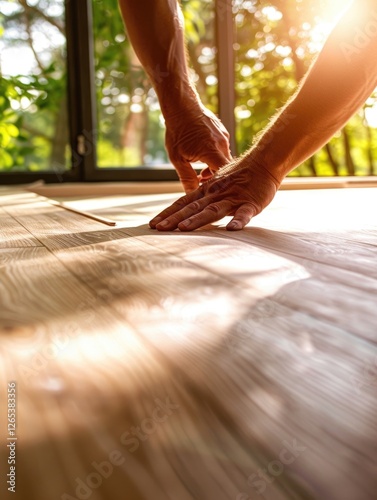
point(329, 12)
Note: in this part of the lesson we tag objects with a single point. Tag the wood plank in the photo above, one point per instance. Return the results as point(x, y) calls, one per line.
point(55, 223)
point(197, 345)
point(259, 341)
point(13, 234)
point(324, 291)
point(345, 214)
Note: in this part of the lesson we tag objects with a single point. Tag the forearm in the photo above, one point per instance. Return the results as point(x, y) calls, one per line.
point(155, 29)
point(336, 86)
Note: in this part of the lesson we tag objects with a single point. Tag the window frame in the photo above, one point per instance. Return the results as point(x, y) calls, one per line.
point(82, 102)
point(224, 32)
point(74, 173)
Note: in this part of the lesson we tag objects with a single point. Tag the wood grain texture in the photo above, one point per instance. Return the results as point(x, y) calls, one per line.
point(207, 365)
point(13, 234)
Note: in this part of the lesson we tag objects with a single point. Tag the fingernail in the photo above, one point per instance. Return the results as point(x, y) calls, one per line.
point(164, 223)
point(185, 223)
point(234, 225)
point(156, 220)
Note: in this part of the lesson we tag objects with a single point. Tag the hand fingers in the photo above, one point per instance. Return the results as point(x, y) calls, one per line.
point(215, 160)
point(242, 217)
point(211, 213)
point(172, 222)
point(176, 207)
point(205, 174)
point(186, 174)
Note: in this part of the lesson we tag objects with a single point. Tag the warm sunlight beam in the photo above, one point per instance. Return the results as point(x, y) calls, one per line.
point(325, 21)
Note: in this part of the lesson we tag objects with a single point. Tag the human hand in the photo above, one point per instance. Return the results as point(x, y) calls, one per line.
point(196, 134)
point(240, 190)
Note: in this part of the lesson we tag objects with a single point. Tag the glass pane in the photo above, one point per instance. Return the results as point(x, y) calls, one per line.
point(275, 44)
point(33, 95)
point(130, 126)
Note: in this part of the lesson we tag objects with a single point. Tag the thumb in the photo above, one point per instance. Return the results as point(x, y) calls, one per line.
point(186, 174)
point(215, 160)
point(205, 174)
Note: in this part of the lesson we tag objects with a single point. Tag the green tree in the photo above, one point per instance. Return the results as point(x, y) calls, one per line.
point(33, 110)
point(275, 43)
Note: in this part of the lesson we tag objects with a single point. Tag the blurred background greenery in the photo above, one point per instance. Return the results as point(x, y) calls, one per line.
point(275, 42)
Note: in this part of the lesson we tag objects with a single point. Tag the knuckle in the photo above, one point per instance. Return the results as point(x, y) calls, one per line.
point(194, 206)
point(180, 203)
point(226, 136)
point(214, 208)
point(252, 206)
point(219, 185)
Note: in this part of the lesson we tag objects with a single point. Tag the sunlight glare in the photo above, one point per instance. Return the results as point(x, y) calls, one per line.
point(324, 24)
point(371, 115)
point(272, 13)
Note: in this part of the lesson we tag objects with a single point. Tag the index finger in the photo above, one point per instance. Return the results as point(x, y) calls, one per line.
point(186, 174)
point(176, 207)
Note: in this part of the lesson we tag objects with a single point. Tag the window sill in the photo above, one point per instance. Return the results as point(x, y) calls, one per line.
point(130, 188)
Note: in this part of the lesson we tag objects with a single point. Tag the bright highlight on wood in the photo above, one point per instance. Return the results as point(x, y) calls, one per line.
point(104, 220)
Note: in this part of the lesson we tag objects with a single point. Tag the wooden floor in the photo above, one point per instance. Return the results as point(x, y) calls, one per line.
point(208, 366)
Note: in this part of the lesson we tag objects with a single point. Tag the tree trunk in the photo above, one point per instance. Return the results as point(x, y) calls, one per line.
point(134, 134)
point(60, 139)
point(347, 153)
point(334, 164)
point(135, 127)
point(312, 165)
point(369, 146)
point(294, 43)
point(200, 85)
point(144, 134)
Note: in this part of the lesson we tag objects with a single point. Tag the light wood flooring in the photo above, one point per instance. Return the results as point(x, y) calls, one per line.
point(206, 365)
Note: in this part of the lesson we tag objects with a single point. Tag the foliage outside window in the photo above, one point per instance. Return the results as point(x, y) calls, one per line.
point(130, 126)
point(33, 86)
point(275, 42)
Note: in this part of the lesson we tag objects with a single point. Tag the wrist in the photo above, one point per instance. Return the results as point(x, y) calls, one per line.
point(257, 160)
point(177, 97)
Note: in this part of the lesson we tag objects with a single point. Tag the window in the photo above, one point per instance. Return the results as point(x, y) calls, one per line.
point(275, 43)
point(130, 126)
point(34, 128)
point(75, 103)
